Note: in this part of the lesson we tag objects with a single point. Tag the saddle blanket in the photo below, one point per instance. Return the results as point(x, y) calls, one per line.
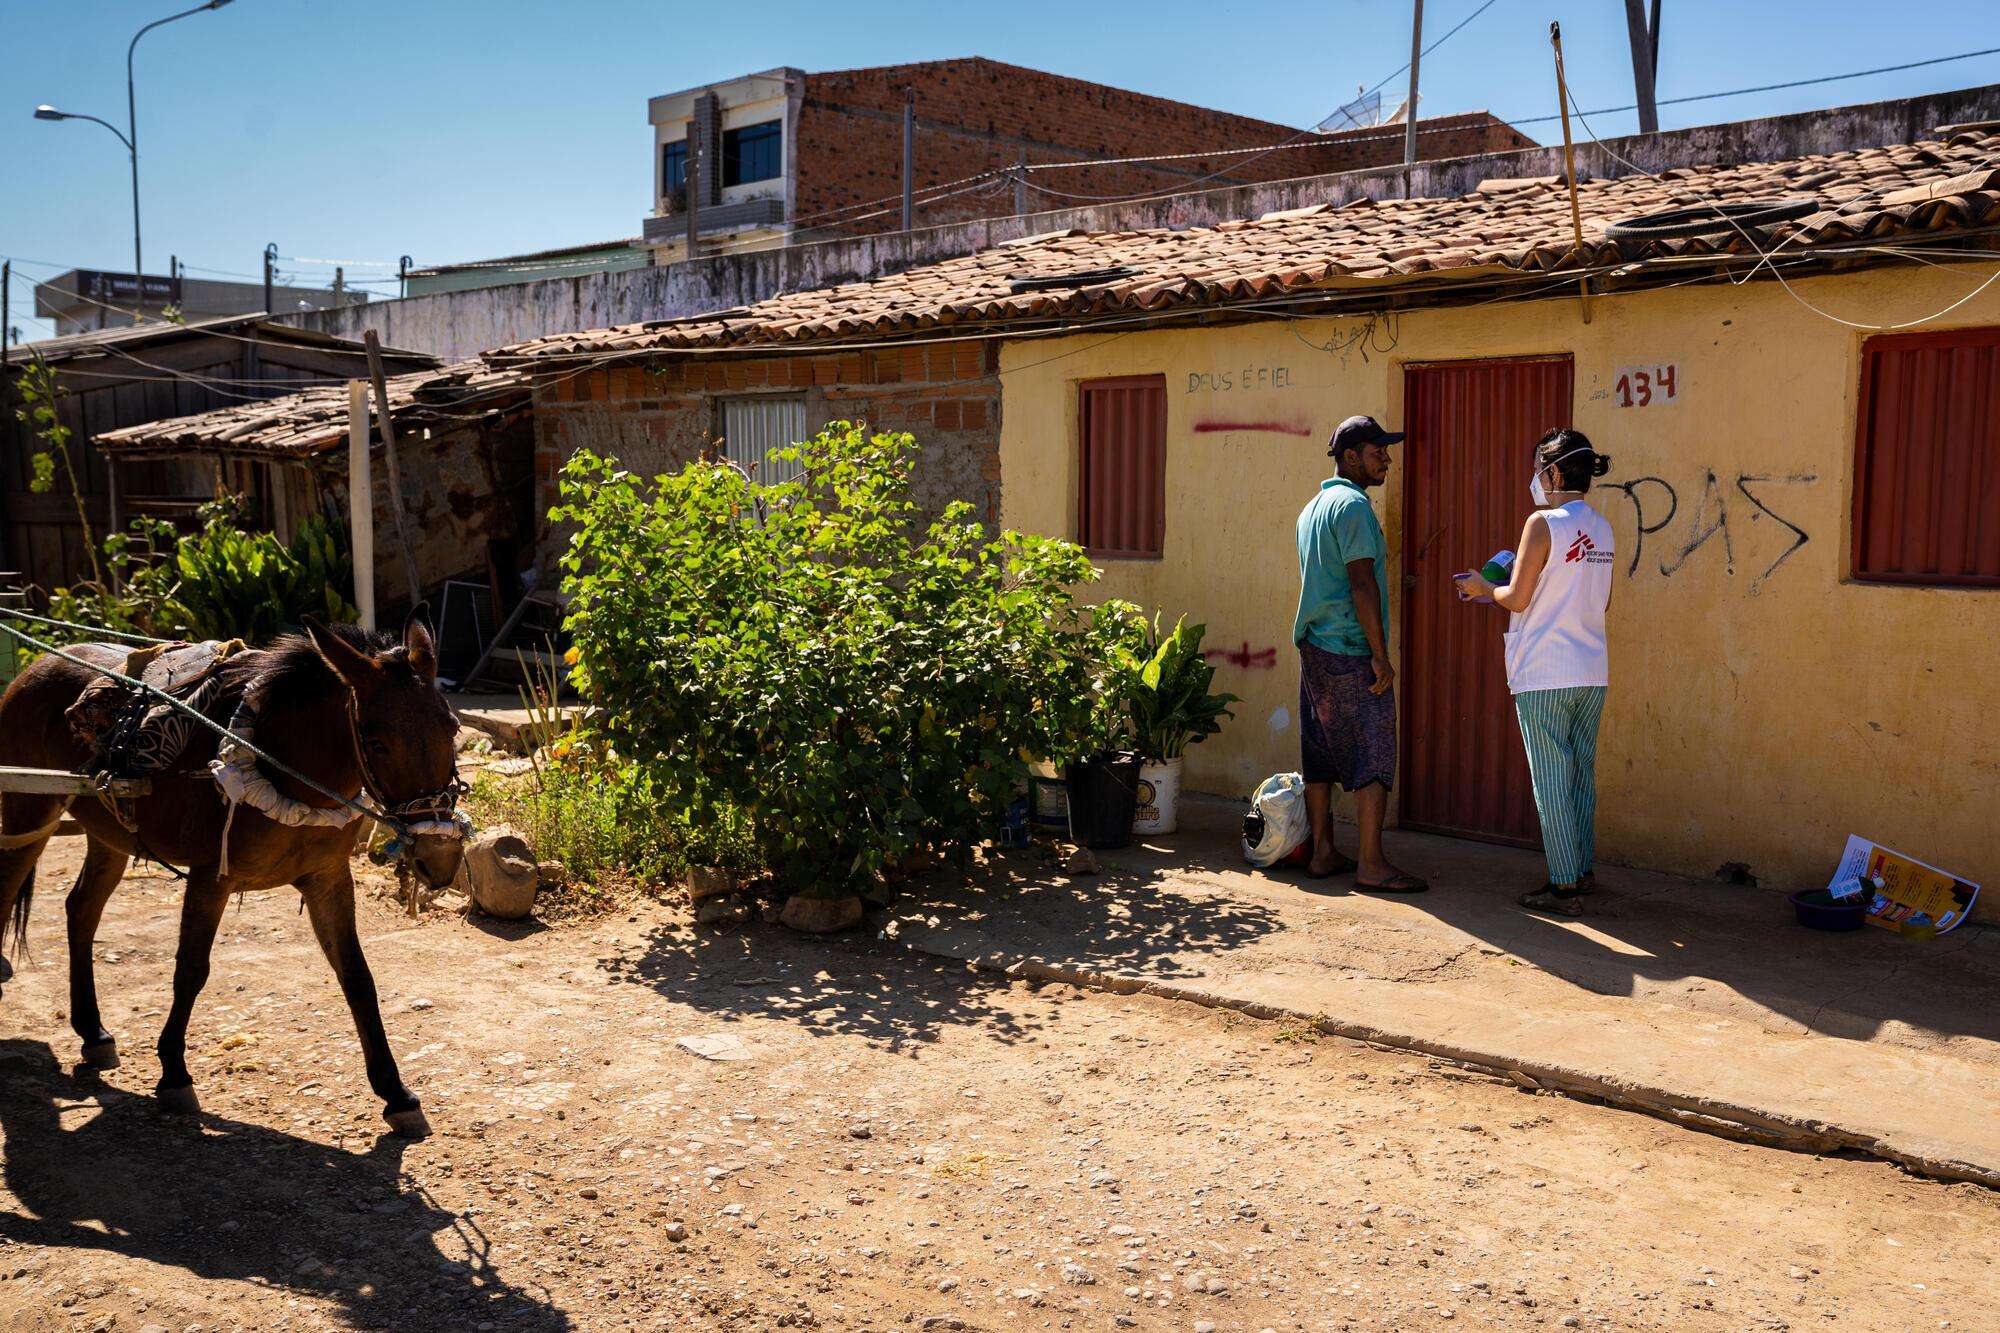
point(135, 734)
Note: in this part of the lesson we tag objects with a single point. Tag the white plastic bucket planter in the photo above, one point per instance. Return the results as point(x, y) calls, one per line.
point(1159, 798)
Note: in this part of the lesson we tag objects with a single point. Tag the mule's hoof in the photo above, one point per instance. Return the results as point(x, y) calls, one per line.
point(180, 1100)
point(408, 1124)
point(101, 1054)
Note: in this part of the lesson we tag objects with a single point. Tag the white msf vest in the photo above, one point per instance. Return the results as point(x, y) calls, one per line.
point(1558, 642)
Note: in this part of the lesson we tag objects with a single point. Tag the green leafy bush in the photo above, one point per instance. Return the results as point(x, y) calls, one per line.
point(218, 582)
point(856, 683)
point(1170, 702)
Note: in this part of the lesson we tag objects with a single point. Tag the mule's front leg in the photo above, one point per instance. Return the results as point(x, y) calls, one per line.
point(330, 904)
point(201, 917)
point(103, 867)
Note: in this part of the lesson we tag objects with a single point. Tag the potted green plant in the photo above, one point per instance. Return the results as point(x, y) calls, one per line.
point(1172, 707)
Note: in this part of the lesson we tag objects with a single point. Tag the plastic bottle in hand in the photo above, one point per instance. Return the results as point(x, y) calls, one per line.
point(1497, 568)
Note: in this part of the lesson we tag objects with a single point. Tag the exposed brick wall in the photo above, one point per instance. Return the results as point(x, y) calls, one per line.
point(658, 417)
point(979, 115)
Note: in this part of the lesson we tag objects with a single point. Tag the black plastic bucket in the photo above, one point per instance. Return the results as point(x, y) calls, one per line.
point(1103, 796)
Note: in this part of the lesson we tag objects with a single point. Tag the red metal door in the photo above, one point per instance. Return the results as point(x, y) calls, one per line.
point(1472, 427)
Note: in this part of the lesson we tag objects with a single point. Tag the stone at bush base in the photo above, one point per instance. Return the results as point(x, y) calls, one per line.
point(720, 910)
point(709, 882)
point(819, 916)
point(501, 868)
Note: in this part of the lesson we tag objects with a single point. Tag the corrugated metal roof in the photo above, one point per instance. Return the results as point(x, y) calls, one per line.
point(301, 425)
point(1931, 187)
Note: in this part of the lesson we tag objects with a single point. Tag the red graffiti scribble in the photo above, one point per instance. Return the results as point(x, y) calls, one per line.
point(1274, 427)
point(1263, 659)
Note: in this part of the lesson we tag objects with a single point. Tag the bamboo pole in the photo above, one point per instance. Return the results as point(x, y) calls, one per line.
point(1569, 169)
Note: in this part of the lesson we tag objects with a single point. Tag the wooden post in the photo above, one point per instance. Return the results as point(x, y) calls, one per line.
point(1410, 107)
point(388, 426)
point(1569, 168)
point(360, 502)
point(909, 158)
point(6, 321)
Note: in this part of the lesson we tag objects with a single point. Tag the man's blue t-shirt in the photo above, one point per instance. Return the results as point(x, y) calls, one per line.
point(1336, 526)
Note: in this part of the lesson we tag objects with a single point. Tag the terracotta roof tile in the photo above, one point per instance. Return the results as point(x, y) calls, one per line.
point(1952, 184)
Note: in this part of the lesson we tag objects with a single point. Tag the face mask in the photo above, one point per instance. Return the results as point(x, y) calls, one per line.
point(1536, 491)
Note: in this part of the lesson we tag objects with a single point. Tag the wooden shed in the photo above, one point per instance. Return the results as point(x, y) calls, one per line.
point(465, 438)
point(122, 377)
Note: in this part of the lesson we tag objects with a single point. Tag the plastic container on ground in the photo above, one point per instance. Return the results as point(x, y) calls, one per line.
point(1822, 911)
point(1158, 801)
point(1048, 799)
point(1103, 793)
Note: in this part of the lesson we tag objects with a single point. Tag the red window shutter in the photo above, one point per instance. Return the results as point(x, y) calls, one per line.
point(1927, 460)
point(1122, 498)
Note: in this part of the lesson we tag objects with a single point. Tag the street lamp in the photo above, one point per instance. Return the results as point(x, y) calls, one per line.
point(131, 136)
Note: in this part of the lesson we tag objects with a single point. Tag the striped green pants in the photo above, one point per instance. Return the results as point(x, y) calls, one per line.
point(1559, 728)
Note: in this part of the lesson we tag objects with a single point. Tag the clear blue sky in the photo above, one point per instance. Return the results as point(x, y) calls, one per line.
point(465, 129)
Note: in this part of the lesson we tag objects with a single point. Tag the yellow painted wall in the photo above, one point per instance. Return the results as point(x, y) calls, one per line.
point(1756, 714)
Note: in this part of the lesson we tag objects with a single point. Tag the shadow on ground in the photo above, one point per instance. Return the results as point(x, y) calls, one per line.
point(851, 984)
point(1188, 905)
point(98, 1168)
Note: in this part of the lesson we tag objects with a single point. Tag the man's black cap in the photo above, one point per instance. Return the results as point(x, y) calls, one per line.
point(1357, 431)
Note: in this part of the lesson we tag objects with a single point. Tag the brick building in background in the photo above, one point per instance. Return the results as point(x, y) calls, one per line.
point(806, 156)
point(659, 414)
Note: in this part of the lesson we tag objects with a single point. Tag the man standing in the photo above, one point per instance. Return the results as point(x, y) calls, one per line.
point(1347, 704)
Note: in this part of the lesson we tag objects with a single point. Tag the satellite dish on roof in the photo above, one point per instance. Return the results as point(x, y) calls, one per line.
point(1362, 112)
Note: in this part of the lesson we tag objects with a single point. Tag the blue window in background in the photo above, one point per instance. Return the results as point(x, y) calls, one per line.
point(753, 153)
point(673, 166)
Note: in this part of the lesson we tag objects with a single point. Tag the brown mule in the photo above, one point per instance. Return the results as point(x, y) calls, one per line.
point(338, 704)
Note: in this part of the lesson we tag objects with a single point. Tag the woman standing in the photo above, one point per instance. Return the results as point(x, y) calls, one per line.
point(1557, 664)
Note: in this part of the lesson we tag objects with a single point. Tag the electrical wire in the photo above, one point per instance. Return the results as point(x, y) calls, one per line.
point(1768, 87)
point(1765, 257)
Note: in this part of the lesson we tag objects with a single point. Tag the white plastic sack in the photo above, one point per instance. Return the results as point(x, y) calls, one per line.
point(1277, 820)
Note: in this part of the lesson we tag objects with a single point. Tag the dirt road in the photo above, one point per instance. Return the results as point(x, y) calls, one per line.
point(906, 1144)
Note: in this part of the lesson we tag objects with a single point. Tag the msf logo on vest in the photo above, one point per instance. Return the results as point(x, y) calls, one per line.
point(1584, 551)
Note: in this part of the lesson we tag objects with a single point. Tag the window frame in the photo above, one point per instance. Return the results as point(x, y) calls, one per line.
point(1859, 513)
point(767, 132)
point(1086, 538)
point(668, 151)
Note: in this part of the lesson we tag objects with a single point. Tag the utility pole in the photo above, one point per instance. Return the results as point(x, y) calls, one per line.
point(6, 307)
point(1021, 190)
point(909, 158)
point(403, 276)
point(270, 264)
point(1410, 107)
point(1645, 50)
point(339, 286)
point(692, 189)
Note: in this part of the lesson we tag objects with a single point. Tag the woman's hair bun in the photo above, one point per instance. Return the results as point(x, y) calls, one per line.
point(1600, 464)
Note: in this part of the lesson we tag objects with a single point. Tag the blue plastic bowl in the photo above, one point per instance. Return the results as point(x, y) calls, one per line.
point(1820, 910)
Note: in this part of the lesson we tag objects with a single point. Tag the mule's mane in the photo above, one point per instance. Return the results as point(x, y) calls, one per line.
point(289, 666)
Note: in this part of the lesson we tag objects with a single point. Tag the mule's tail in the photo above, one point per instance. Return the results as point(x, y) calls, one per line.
point(16, 923)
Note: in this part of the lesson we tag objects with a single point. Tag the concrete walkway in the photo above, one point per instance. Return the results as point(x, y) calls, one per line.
point(1703, 1002)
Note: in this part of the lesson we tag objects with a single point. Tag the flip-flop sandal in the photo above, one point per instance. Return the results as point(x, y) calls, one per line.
point(1399, 884)
point(1549, 898)
point(1344, 866)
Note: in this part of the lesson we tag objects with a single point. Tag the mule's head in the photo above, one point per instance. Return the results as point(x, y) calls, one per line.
point(406, 734)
